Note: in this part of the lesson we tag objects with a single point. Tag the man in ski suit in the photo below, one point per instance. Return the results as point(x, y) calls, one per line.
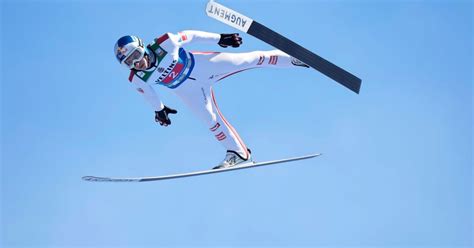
point(191, 75)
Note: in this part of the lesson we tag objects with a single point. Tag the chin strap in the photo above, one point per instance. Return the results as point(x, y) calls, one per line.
point(151, 57)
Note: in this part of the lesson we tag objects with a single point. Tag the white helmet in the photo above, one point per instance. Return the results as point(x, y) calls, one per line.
point(128, 50)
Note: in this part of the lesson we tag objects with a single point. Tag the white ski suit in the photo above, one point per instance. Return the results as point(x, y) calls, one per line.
point(191, 75)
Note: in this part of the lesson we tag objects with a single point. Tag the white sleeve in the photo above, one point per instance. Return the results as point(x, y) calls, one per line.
point(149, 93)
point(189, 36)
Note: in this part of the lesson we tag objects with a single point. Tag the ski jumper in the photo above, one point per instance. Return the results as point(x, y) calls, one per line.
point(191, 76)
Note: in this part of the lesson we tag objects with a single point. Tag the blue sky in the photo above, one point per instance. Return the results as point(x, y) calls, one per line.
point(397, 163)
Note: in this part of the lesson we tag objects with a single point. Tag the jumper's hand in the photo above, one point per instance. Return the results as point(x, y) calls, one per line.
point(233, 40)
point(162, 116)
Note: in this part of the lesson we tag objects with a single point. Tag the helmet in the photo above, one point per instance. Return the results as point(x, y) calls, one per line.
point(129, 49)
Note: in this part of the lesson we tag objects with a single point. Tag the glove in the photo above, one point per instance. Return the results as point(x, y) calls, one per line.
point(162, 116)
point(233, 40)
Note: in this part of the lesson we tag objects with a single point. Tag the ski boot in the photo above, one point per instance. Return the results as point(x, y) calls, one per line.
point(233, 159)
point(297, 62)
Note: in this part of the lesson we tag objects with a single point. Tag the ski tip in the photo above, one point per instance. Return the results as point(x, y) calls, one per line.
point(92, 178)
point(108, 179)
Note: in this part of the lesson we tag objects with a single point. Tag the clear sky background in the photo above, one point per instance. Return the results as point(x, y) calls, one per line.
point(397, 163)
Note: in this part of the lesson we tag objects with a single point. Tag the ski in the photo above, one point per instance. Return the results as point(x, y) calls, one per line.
point(196, 173)
point(254, 28)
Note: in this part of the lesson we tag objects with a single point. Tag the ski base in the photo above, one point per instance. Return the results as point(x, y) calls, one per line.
point(197, 173)
point(246, 24)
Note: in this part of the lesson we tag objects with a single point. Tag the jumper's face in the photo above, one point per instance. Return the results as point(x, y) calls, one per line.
point(137, 60)
point(142, 64)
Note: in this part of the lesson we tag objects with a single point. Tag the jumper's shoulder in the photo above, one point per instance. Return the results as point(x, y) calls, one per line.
point(162, 38)
point(167, 42)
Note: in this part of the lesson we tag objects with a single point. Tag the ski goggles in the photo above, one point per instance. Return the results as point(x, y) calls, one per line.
point(134, 57)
